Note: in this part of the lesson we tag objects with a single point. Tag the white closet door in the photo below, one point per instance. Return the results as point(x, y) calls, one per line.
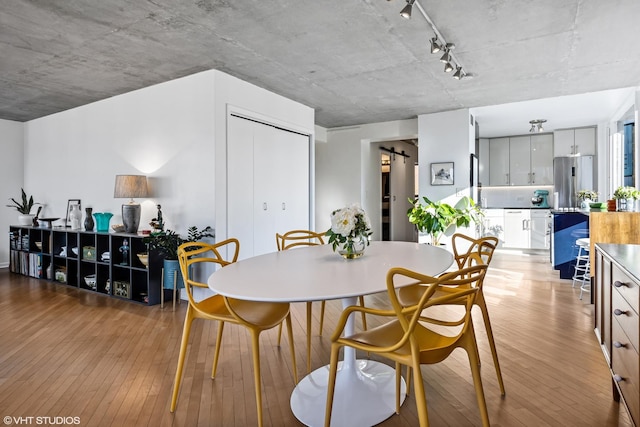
point(270, 179)
point(240, 183)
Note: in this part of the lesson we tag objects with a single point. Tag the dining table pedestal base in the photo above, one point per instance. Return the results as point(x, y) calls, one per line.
point(365, 395)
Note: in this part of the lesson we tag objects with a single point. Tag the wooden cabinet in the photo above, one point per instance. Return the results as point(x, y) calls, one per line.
point(521, 160)
point(617, 326)
point(569, 142)
point(105, 263)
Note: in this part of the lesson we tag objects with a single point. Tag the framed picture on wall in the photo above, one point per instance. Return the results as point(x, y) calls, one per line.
point(442, 173)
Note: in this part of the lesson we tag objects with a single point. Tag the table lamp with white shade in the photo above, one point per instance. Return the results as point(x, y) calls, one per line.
point(128, 187)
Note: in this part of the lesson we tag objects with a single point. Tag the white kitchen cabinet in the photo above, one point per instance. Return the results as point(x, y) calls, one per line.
point(499, 161)
point(521, 160)
point(540, 229)
point(542, 159)
point(569, 142)
point(483, 163)
point(516, 231)
point(493, 224)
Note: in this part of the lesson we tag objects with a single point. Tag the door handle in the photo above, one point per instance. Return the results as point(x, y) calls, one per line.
point(264, 206)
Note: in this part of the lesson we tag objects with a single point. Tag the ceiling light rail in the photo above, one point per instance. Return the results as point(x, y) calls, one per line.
point(438, 43)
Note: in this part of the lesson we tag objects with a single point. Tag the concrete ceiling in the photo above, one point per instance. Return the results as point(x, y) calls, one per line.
point(353, 61)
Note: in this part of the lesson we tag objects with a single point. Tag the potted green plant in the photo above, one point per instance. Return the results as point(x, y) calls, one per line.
point(586, 197)
point(439, 218)
point(167, 243)
point(626, 197)
point(24, 208)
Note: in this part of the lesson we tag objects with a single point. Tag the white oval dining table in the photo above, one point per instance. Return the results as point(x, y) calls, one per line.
point(365, 389)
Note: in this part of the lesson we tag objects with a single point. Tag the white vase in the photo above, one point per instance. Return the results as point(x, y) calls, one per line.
point(25, 219)
point(76, 217)
point(626, 205)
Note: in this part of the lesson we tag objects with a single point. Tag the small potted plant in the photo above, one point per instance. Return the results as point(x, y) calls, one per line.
point(24, 208)
point(167, 243)
point(350, 231)
point(439, 218)
point(626, 197)
point(586, 197)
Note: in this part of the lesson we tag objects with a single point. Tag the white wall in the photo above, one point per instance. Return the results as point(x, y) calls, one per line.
point(11, 178)
point(344, 172)
point(445, 137)
point(174, 132)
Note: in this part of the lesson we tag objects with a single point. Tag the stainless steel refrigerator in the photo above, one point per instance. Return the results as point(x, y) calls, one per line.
point(570, 175)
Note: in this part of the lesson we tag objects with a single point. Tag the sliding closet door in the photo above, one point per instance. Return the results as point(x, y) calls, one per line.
point(268, 184)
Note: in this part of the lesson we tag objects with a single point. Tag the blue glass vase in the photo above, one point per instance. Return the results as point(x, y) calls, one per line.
point(102, 221)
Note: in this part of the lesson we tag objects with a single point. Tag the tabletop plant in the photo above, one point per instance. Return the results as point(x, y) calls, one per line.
point(627, 192)
point(438, 218)
point(587, 195)
point(24, 205)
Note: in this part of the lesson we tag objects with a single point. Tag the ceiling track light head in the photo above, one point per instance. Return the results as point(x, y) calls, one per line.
point(435, 46)
point(448, 67)
point(406, 11)
point(459, 74)
point(446, 57)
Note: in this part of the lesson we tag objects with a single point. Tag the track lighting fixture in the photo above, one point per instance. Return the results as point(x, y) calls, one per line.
point(437, 43)
point(459, 74)
point(406, 11)
point(435, 46)
point(536, 125)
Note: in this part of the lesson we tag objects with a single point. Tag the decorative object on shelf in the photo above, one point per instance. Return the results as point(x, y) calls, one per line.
point(118, 228)
point(128, 187)
point(158, 223)
point(124, 249)
point(63, 251)
point(38, 245)
point(105, 256)
point(144, 258)
point(34, 222)
point(122, 289)
point(626, 197)
point(88, 219)
point(24, 208)
point(89, 253)
point(439, 218)
point(442, 173)
point(74, 250)
point(91, 281)
point(61, 275)
point(50, 271)
point(107, 286)
point(48, 221)
point(350, 231)
point(102, 221)
point(75, 217)
point(586, 197)
point(71, 205)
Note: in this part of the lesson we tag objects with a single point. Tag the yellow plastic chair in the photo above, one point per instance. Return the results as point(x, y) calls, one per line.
point(407, 339)
point(300, 238)
point(255, 316)
point(467, 251)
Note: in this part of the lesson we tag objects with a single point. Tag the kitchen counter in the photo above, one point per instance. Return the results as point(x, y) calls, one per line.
point(613, 227)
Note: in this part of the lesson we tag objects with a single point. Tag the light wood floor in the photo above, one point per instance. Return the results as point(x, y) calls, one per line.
point(70, 353)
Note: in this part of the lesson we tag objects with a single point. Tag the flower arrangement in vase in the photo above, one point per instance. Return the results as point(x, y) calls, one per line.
point(626, 197)
point(350, 231)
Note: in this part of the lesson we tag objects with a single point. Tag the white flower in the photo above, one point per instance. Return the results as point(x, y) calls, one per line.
point(343, 221)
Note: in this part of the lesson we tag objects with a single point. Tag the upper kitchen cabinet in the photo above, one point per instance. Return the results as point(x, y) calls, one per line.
point(499, 161)
point(542, 159)
point(568, 142)
point(521, 160)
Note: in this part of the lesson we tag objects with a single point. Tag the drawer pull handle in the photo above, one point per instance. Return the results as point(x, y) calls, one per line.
point(619, 312)
point(617, 378)
point(617, 344)
point(619, 284)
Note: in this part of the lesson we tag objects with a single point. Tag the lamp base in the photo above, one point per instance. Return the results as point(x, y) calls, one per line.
point(131, 217)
